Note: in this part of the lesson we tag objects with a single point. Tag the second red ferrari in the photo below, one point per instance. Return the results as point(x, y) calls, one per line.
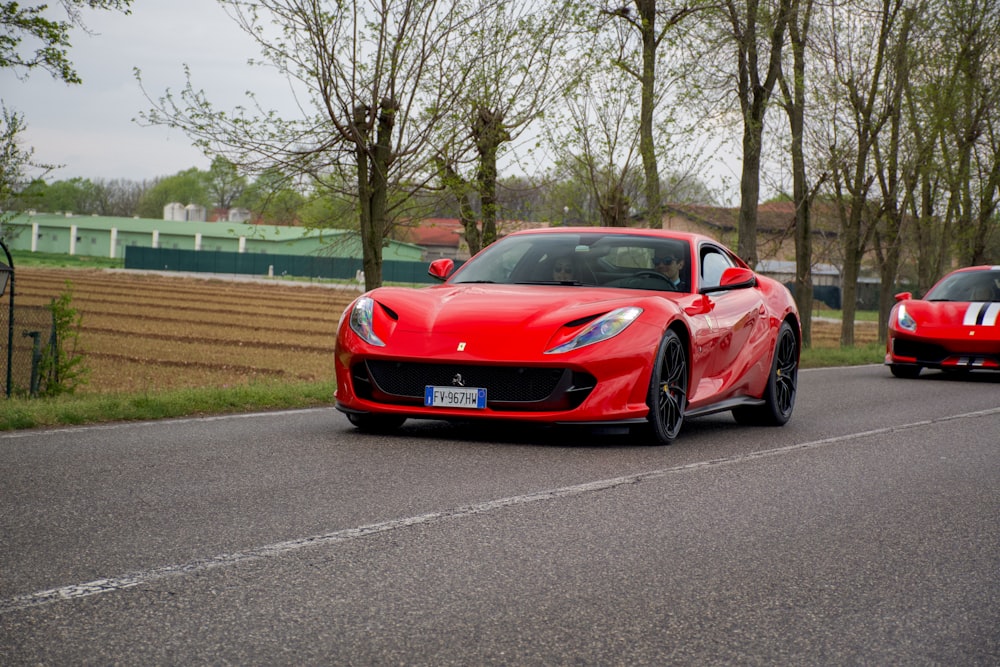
point(955, 327)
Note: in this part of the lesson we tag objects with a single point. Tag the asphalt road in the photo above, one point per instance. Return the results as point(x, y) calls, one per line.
point(866, 531)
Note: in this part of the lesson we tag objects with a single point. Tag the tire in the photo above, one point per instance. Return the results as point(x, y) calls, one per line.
point(904, 371)
point(668, 389)
point(374, 423)
point(782, 384)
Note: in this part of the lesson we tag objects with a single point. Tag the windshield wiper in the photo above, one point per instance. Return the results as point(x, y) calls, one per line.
point(550, 282)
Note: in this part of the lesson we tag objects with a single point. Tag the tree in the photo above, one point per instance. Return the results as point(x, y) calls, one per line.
point(48, 38)
point(47, 49)
point(375, 75)
point(752, 25)
point(273, 199)
point(77, 195)
point(224, 182)
point(507, 52)
point(793, 92)
point(14, 158)
point(861, 40)
point(597, 145)
point(185, 187)
point(970, 101)
point(651, 37)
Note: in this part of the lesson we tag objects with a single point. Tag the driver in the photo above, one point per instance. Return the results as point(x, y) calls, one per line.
point(669, 263)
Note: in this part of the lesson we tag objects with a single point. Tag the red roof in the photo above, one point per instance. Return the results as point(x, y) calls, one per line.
point(435, 232)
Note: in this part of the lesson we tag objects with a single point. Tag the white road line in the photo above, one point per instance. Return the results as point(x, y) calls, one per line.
point(111, 584)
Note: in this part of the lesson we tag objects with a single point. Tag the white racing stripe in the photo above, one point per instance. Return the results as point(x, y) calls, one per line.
point(992, 314)
point(122, 582)
point(989, 312)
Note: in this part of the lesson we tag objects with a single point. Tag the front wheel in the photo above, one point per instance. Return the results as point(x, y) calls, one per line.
point(668, 389)
point(779, 396)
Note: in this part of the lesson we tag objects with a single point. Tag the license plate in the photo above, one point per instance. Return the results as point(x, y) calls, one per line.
point(455, 397)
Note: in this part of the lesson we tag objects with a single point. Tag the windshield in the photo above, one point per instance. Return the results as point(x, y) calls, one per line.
point(967, 286)
point(573, 259)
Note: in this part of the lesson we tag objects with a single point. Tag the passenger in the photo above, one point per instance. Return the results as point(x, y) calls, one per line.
point(562, 269)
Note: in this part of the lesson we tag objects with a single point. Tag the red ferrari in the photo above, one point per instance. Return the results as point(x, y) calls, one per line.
point(582, 326)
point(955, 327)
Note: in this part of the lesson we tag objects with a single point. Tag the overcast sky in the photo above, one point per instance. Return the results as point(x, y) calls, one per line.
point(89, 128)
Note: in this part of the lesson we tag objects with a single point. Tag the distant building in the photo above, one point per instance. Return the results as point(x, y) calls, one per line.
point(100, 236)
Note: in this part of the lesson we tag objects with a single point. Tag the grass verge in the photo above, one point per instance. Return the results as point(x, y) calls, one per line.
point(69, 410)
point(859, 355)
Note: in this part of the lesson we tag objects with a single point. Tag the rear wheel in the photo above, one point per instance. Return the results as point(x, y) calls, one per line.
point(373, 423)
point(779, 396)
point(668, 388)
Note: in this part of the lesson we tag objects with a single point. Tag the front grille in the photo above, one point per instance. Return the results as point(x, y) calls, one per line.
point(926, 352)
point(507, 387)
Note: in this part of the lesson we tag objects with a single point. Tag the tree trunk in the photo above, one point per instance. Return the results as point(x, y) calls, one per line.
point(647, 149)
point(489, 134)
point(373, 191)
point(795, 105)
point(750, 192)
point(462, 191)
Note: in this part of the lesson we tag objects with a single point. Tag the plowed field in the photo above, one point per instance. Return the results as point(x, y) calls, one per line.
point(143, 332)
point(147, 331)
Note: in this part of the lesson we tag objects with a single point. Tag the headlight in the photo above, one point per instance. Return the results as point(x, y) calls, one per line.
point(600, 329)
point(904, 320)
point(361, 320)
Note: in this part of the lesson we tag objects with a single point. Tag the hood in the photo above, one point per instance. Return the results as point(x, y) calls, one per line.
point(953, 313)
point(492, 321)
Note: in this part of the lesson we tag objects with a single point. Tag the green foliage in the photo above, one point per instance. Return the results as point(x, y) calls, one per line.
point(272, 198)
point(186, 187)
point(62, 368)
point(858, 355)
point(14, 159)
point(224, 182)
point(77, 195)
point(328, 213)
point(48, 36)
point(63, 261)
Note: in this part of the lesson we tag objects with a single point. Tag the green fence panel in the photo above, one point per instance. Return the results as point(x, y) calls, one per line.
point(263, 264)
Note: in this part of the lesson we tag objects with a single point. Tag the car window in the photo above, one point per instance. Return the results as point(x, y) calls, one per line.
point(598, 258)
point(967, 286)
point(713, 263)
point(495, 264)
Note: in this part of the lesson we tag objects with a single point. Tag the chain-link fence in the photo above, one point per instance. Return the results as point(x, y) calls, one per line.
point(25, 342)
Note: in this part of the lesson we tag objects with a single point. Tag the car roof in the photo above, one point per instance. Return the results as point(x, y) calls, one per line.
point(971, 269)
point(665, 234)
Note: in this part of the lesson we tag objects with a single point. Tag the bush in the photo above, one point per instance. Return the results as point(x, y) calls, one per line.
point(61, 367)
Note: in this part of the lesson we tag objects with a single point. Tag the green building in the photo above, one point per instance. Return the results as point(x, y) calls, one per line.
point(99, 236)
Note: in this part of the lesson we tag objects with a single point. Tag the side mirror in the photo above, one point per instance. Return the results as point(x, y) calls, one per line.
point(441, 268)
point(735, 277)
point(904, 296)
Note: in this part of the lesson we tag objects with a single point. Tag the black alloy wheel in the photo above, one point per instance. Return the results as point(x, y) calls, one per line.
point(782, 383)
point(668, 389)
